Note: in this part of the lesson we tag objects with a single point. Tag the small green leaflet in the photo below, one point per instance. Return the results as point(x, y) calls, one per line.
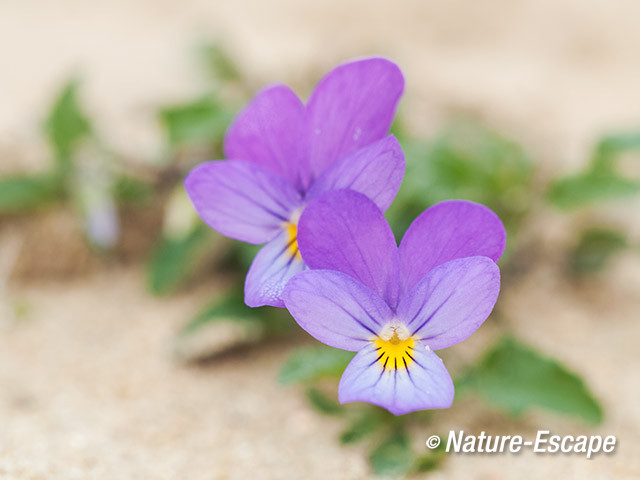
point(66, 125)
point(595, 247)
point(599, 181)
point(173, 260)
point(393, 457)
point(200, 123)
point(590, 187)
point(311, 363)
point(19, 193)
point(361, 427)
point(323, 403)
point(466, 161)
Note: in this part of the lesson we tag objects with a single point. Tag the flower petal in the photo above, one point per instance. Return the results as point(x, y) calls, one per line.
point(270, 271)
point(451, 301)
point(345, 231)
point(375, 171)
point(446, 231)
point(241, 200)
point(335, 308)
point(266, 132)
point(423, 384)
point(352, 106)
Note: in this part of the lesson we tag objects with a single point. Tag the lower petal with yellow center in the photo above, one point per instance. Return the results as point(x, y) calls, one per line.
point(395, 353)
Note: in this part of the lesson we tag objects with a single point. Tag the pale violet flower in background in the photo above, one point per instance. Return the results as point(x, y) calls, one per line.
point(395, 305)
point(283, 154)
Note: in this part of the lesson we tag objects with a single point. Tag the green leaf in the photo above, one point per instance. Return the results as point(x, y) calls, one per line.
point(362, 427)
point(466, 161)
point(219, 64)
point(311, 363)
point(590, 187)
point(240, 256)
point(66, 125)
point(431, 460)
point(130, 190)
point(230, 307)
point(515, 377)
point(222, 326)
point(20, 193)
point(199, 124)
point(595, 247)
point(322, 403)
point(393, 457)
point(609, 147)
point(173, 260)
point(600, 181)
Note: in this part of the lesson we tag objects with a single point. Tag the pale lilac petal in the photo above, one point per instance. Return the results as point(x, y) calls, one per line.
point(425, 384)
point(266, 132)
point(335, 308)
point(446, 231)
point(241, 200)
point(375, 171)
point(345, 231)
point(270, 271)
point(451, 301)
point(352, 106)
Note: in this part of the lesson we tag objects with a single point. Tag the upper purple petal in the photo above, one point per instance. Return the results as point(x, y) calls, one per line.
point(424, 384)
point(351, 107)
point(375, 171)
point(266, 132)
point(345, 231)
point(451, 301)
point(241, 199)
point(446, 231)
point(335, 308)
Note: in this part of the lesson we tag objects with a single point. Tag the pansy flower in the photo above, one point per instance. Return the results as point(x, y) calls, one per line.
point(395, 305)
point(283, 154)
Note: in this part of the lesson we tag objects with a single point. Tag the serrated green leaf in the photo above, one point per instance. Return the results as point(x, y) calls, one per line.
point(173, 260)
point(594, 249)
point(515, 377)
point(588, 188)
point(393, 457)
point(311, 363)
point(200, 123)
point(322, 403)
point(66, 125)
point(21, 193)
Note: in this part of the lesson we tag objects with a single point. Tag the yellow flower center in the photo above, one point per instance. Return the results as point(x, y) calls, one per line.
point(395, 352)
point(292, 243)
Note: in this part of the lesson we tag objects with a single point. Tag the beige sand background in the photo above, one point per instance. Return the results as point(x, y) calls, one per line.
point(88, 388)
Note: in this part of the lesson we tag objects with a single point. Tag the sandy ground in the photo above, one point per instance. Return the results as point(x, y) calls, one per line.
point(91, 391)
point(88, 388)
point(554, 73)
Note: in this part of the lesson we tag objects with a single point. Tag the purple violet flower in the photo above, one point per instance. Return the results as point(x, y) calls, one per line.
point(395, 305)
point(284, 154)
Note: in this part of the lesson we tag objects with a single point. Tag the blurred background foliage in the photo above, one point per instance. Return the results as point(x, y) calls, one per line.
point(466, 160)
